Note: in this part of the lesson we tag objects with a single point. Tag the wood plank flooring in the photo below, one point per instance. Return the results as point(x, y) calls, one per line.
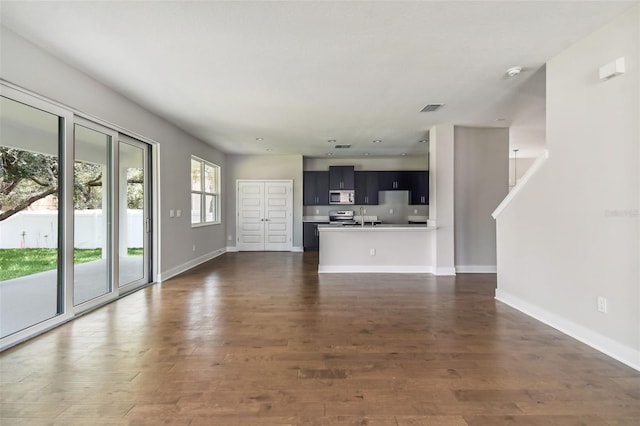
point(261, 339)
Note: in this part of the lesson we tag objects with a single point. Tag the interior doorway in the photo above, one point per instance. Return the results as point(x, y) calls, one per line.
point(264, 213)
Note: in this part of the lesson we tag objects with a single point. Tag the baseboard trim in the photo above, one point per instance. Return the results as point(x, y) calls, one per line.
point(297, 249)
point(232, 249)
point(170, 273)
point(446, 270)
point(374, 269)
point(625, 354)
point(476, 269)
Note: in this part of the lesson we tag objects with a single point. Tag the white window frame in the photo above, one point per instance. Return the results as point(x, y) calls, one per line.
point(202, 193)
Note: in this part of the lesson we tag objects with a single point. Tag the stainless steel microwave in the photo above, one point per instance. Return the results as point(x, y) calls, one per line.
point(341, 197)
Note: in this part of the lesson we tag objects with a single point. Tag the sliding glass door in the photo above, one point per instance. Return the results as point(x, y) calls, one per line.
point(134, 219)
point(30, 279)
point(75, 214)
point(92, 212)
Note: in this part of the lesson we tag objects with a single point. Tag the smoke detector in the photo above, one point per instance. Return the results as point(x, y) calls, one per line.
point(513, 71)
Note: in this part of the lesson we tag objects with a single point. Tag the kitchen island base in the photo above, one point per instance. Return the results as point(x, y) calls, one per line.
point(376, 249)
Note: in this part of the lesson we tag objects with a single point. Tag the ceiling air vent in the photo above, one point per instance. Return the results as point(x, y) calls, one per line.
point(431, 108)
point(342, 146)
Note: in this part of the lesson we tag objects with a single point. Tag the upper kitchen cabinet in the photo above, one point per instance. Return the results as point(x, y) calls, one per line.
point(394, 180)
point(315, 191)
point(419, 192)
point(341, 177)
point(366, 192)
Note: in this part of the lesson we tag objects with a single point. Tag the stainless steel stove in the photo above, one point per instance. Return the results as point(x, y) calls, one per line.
point(341, 217)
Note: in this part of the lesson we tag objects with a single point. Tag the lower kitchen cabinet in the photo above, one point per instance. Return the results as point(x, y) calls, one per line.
point(310, 235)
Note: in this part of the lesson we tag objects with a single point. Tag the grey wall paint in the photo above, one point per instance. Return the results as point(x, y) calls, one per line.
point(572, 233)
point(264, 167)
point(481, 182)
point(28, 66)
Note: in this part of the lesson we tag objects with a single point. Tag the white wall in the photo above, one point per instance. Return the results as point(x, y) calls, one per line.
point(41, 229)
point(572, 233)
point(441, 199)
point(481, 182)
point(28, 66)
point(264, 167)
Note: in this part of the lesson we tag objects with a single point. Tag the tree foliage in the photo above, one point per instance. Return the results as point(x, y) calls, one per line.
point(26, 177)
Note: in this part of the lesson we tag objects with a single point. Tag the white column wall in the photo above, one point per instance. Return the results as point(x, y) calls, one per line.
point(441, 202)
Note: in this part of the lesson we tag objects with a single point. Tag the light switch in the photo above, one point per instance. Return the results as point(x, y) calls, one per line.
point(178, 212)
point(171, 213)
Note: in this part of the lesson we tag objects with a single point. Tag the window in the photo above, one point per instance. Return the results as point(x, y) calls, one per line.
point(205, 192)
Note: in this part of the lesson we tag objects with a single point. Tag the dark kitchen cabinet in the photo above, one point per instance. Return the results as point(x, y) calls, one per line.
point(394, 180)
point(366, 192)
point(315, 191)
point(310, 235)
point(341, 177)
point(419, 192)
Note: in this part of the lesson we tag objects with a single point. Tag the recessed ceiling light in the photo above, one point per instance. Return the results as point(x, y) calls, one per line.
point(366, 153)
point(329, 154)
point(513, 71)
point(331, 141)
point(423, 141)
point(377, 141)
point(269, 149)
point(501, 119)
point(259, 139)
point(403, 154)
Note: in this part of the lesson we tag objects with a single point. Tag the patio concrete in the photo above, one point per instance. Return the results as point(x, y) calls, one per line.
point(29, 300)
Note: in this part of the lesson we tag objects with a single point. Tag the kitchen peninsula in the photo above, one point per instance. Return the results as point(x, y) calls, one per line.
point(376, 249)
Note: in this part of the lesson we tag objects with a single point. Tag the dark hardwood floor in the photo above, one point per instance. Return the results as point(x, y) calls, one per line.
point(261, 339)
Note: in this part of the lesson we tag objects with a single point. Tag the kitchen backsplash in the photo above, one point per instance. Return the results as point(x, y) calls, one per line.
point(398, 201)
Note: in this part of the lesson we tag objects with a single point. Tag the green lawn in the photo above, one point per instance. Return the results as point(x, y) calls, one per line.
point(16, 263)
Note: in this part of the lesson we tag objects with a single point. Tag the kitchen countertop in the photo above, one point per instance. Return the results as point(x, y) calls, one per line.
point(379, 227)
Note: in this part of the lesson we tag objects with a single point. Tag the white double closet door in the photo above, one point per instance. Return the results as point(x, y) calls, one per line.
point(264, 215)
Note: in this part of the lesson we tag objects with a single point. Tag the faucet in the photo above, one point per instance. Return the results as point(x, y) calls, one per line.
point(362, 216)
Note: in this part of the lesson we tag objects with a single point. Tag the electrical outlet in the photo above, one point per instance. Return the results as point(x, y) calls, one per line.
point(364, 211)
point(317, 211)
point(415, 211)
point(602, 304)
point(229, 237)
point(194, 247)
point(372, 252)
point(390, 211)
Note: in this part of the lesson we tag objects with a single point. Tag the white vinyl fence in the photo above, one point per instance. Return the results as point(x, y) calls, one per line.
point(39, 229)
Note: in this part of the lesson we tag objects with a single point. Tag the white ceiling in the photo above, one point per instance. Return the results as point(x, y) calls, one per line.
point(300, 73)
